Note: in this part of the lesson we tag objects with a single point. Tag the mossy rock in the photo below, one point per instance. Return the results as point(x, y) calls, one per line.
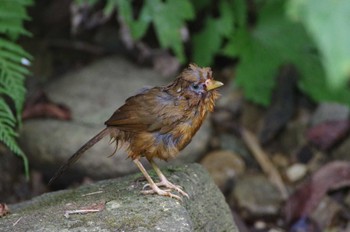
point(123, 208)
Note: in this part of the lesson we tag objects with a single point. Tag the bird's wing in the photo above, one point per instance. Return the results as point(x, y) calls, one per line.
point(152, 110)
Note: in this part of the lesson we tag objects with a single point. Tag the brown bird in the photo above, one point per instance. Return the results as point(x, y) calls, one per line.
point(159, 122)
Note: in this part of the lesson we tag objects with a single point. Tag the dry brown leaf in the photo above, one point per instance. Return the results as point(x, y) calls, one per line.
point(309, 194)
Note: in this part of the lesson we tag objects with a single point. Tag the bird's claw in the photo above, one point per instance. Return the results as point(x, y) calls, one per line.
point(169, 186)
point(182, 192)
point(161, 192)
point(161, 184)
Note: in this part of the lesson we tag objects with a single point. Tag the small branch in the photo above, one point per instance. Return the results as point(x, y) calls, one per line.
point(15, 223)
point(89, 209)
point(80, 211)
point(264, 161)
point(93, 193)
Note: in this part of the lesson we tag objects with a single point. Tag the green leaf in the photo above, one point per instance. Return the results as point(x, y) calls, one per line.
point(168, 18)
point(257, 68)
point(225, 23)
point(12, 73)
point(8, 10)
point(89, 2)
point(7, 134)
point(240, 12)
point(209, 40)
point(206, 43)
point(315, 84)
point(273, 42)
point(328, 24)
point(138, 27)
point(9, 45)
point(200, 4)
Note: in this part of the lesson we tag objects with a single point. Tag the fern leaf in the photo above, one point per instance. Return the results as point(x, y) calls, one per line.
point(12, 73)
point(12, 47)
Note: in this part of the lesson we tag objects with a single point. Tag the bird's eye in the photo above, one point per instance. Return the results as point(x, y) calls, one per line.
point(195, 86)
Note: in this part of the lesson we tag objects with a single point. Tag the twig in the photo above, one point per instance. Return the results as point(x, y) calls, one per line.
point(88, 209)
point(264, 161)
point(93, 193)
point(15, 223)
point(80, 211)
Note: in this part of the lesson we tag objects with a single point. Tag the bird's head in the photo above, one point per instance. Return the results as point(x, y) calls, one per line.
point(197, 85)
point(199, 80)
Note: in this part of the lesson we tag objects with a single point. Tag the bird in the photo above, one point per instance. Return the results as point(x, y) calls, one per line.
point(158, 122)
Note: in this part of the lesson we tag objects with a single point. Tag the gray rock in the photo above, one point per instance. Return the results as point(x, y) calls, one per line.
point(341, 152)
point(224, 166)
point(93, 94)
point(235, 144)
point(49, 143)
point(232, 97)
point(257, 196)
point(330, 112)
point(123, 208)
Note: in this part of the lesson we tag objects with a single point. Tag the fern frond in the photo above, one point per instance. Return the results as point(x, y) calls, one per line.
point(7, 133)
point(12, 73)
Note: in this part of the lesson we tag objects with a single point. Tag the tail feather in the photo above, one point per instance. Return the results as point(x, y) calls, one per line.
point(79, 153)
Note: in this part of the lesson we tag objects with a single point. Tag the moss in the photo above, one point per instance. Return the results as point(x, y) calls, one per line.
point(206, 210)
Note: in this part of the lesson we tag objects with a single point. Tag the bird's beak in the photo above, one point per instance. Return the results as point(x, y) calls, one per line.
point(213, 84)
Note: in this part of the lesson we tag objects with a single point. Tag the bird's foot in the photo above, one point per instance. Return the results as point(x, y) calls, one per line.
point(169, 186)
point(156, 190)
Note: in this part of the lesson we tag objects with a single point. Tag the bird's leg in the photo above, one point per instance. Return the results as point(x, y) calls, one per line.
point(164, 181)
point(154, 188)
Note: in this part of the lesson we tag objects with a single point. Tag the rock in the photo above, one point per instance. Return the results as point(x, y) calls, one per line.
point(232, 98)
point(223, 166)
point(256, 195)
point(251, 117)
point(342, 151)
point(326, 213)
point(330, 112)
point(292, 137)
point(296, 171)
point(280, 161)
point(55, 141)
point(235, 144)
point(122, 208)
point(93, 94)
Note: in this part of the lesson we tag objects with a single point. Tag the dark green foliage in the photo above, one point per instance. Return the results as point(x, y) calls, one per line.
point(313, 39)
point(168, 17)
point(328, 23)
point(263, 49)
point(207, 43)
point(12, 72)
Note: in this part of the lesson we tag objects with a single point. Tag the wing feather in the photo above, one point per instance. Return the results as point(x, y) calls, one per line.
point(152, 110)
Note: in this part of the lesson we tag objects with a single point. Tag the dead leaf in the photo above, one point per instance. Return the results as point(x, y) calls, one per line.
point(309, 194)
point(40, 106)
point(325, 135)
point(3, 209)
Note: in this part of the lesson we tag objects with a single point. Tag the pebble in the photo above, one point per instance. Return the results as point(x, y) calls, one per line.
point(223, 166)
